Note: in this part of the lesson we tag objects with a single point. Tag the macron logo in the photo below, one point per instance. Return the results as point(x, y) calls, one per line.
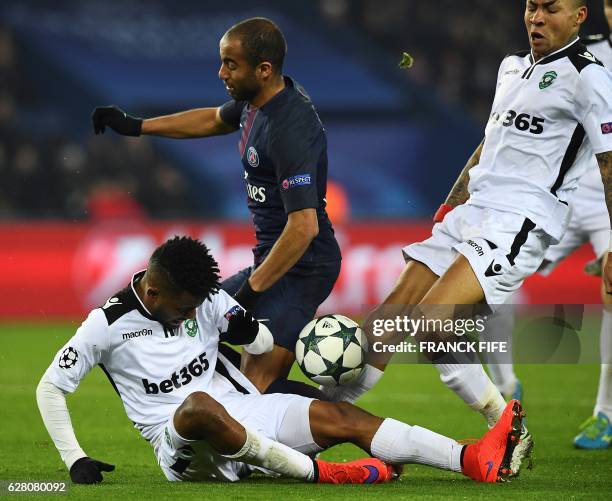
point(478, 248)
point(143, 332)
point(588, 56)
point(494, 269)
point(111, 302)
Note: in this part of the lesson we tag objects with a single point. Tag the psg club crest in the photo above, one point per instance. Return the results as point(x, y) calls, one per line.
point(252, 157)
point(548, 79)
point(191, 327)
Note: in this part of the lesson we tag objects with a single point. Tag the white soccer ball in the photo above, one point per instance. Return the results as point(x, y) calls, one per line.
point(331, 350)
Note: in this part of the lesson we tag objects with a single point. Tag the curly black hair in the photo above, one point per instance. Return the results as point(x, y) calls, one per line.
point(188, 266)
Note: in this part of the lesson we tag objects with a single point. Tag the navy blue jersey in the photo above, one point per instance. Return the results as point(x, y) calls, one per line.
point(283, 149)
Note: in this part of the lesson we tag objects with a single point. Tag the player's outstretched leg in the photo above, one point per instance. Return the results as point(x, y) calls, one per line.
point(459, 285)
point(201, 417)
point(397, 443)
point(412, 285)
point(499, 328)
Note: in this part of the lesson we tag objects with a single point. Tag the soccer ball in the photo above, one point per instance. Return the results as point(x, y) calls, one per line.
point(331, 350)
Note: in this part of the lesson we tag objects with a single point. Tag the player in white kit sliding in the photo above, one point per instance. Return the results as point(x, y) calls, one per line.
point(552, 109)
point(158, 341)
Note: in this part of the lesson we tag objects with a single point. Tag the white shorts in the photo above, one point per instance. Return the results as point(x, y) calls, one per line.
point(502, 248)
point(590, 223)
point(282, 418)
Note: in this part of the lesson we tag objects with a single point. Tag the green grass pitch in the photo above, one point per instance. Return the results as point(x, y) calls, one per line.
point(558, 398)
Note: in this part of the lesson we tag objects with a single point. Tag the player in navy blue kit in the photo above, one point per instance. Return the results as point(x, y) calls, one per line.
point(283, 148)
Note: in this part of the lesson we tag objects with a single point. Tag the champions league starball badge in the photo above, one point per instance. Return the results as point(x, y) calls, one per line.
point(68, 358)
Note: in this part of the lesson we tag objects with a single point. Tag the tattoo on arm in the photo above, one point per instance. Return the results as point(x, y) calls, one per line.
point(459, 192)
point(605, 166)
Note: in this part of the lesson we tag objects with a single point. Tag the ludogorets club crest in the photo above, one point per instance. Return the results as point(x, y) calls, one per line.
point(548, 79)
point(191, 327)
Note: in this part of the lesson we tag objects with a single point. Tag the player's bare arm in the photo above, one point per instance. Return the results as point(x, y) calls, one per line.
point(605, 166)
point(201, 122)
point(301, 228)
point(459, 192)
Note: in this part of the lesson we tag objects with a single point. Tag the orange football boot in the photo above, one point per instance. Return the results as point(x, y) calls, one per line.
point(363, 471)
point(488, 460)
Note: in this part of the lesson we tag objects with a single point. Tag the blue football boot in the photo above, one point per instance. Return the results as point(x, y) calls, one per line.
point(595, 433)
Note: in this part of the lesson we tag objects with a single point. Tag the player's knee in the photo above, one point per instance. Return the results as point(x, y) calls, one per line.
point(202, 412)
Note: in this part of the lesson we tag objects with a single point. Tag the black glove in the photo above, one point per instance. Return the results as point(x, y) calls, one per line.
point(117, 119)
point(88, 471)
point(242, 328)
point(246, 296)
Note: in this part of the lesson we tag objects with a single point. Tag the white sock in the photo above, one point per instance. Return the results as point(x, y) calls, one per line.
point(604, 393)
point(471, 383)
point(351, 392)
point(261, 451)
point(504, 377)
point(499, 328)
point(398, 443)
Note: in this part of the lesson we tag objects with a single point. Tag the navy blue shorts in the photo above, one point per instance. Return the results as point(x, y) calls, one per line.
point(292, 302)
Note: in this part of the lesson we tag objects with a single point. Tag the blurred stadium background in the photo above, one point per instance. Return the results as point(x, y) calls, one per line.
point(79, 213)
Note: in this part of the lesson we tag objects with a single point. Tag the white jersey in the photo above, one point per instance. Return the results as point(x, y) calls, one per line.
point(547, 119)
point(601, 47)
point(152, 368)
point(591, 185)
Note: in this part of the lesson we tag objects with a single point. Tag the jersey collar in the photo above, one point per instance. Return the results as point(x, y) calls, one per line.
point(142, 309)
point(289, 84)
point(558, 54)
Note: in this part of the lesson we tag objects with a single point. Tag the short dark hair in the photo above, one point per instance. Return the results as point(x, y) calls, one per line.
point(261, 40)
point(580, 3)
point(187, 265)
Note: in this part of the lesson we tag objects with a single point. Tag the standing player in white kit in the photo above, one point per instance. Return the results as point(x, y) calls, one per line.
point(590, 223)
point(552, 109)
